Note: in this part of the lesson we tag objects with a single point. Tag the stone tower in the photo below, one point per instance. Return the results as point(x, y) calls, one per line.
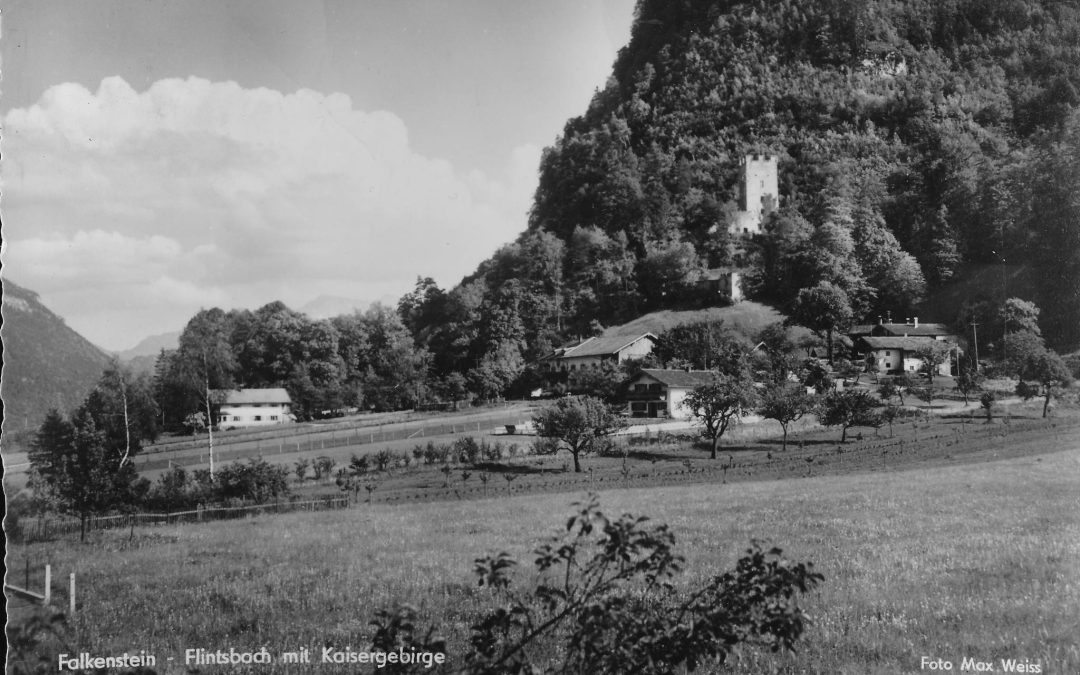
point(759, 193)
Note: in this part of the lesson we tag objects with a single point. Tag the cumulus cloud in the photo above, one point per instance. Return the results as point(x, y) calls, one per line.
point(126, 205)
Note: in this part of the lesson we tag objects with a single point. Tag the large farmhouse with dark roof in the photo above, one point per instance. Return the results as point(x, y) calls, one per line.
point(893, 347)
point(597, 350)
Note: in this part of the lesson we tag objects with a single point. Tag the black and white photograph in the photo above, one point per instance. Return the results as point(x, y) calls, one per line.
point(488, 337)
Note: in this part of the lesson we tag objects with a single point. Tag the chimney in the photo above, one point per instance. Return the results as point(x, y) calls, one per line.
point(916, 322)
point(879, 320)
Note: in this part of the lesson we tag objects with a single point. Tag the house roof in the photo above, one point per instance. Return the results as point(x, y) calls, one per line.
point(249, 396)
point(911, 330)
point(599, 346)
point(686, 379)
point(906, 343)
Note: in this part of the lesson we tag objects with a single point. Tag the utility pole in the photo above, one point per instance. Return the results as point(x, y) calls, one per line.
point(1004, 318)
point(974, 326)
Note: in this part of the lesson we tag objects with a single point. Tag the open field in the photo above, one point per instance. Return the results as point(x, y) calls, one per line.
point(971, 549)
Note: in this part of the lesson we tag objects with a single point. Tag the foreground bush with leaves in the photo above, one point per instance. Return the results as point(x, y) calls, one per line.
point(603, 602)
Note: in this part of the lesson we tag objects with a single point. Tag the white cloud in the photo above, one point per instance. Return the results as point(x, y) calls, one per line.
point(118, 204)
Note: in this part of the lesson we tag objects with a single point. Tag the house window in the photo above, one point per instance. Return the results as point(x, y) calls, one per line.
point(889, 364)
point(258, 418)
point(236, 418)
point(273, 418)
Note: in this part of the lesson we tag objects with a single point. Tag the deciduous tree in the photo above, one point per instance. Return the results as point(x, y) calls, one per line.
point(846, 409)
point(578, 422)
point(785, 403)
point(717, 404)
point(825, 307)
point(1049, 370)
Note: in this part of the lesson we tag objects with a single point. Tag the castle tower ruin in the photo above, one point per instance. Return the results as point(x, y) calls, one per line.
point(759, 193)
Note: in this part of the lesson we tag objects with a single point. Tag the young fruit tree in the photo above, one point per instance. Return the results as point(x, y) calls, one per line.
point(968, 380)
point(578, 422)
point(850, 408)
point(1048, 369)
point(987, 401)
point(785, 403)
point(717, 404)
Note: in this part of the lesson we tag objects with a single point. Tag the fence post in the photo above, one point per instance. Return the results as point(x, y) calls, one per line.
point(71, 595)
point(48, 584)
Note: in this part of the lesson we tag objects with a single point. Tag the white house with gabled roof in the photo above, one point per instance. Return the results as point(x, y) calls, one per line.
point(594, 351)
point(242, 408)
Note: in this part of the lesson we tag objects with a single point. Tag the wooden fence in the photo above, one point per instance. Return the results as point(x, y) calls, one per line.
point(43, 529)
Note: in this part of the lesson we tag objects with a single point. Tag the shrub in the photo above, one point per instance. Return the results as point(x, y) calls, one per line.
point(358, 466)
point(257, 481)
point(301, 468)
point(467, 450)
point(544, 446)
point(324, 466)
point(492, 452)
point(384, 459)
point(603, 593)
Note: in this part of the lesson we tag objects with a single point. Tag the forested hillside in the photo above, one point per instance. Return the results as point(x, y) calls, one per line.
point(918, 141)
point(46, 363)
point(913, 137)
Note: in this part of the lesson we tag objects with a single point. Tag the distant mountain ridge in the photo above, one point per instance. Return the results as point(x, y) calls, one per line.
point(46, 363)
point(151, 346)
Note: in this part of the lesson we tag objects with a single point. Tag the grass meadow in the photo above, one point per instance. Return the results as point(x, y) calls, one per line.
point(978, 559)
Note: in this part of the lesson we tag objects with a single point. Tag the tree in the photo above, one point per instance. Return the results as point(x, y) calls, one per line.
point(968, 379)
point(578, 422)
point(779, 347)
point(785, 403)
point(846, 409)
point(888, 389)
point(74, 464)
point(717, 404)
point(1049, 370)
point(825, 307)
point(933, 354)
point(206, 365)
point(705, 345)
point(123, 407)
point(987, 401)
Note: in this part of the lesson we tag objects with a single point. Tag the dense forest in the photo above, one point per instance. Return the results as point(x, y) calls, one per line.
point(915, 139)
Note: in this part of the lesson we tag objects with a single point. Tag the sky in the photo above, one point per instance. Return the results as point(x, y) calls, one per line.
point(162, 156)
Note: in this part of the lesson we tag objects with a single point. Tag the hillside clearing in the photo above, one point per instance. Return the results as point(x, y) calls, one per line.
point(745, 319)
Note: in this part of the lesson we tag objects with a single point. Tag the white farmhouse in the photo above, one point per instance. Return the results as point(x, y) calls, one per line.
point(242, 408)
point(595, 351)
point(657, 392)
